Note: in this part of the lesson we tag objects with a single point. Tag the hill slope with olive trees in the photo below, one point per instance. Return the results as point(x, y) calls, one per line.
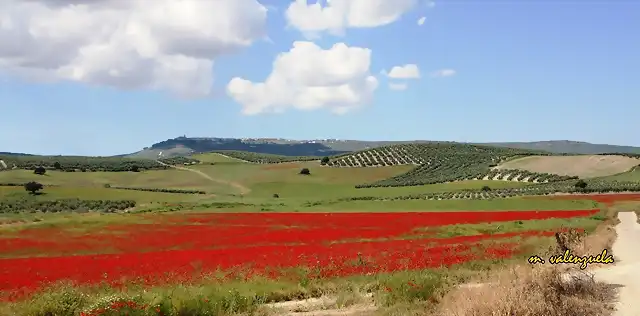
point(447, 162)
point(444, 162)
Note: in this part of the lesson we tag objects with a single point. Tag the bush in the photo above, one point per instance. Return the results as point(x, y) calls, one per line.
point(161, 190)
point(135, 168)
point(57, 166)
point(276, 195)
point(305, 171)
point(580, 184)
point(486, 188)
point(40, 170)
point(324, 161)
point(33, 187)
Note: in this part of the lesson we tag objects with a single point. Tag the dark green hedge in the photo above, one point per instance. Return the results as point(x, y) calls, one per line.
point(64, 205)
point(181, 191)
point(88, 164)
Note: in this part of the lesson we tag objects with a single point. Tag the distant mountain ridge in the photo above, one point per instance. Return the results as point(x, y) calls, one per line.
point(327, 147)
point(184, 146)
point(4, 153)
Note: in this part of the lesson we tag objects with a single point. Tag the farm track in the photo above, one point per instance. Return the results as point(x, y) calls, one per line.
point(243, 190)
point(626, 270)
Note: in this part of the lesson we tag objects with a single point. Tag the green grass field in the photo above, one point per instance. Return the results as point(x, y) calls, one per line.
point(632, 175)
point(262, 181)
point(172, 178)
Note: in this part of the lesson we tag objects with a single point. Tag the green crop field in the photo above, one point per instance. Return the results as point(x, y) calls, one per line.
point(632, 175)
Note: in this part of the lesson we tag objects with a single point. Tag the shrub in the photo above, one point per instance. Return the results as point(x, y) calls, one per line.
point(161, 190)
point(57, 166)
point(305, 171)
point(135, 168)
point(40, 170)
point(276, 195)
point(325, 160)
point(33, 187)
point(486, 188)
point(580, 184)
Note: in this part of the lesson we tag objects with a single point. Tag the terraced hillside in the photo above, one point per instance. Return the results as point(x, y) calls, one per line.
point(444, 162)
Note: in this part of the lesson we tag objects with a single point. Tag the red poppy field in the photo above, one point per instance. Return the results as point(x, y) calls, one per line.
point(185, 247)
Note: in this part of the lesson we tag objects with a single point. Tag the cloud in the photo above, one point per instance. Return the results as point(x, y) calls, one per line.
point(408, 71)
point(398, 86)
point(337, 15)
point(422, 20)
point(308, 77)
point(443, 73)
point(135, 44)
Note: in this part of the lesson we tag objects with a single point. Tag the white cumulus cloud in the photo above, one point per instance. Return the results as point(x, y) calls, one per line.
point(337, 15)
point(408, 71)
point(422, 20)
point(309, 77)
point(443, 73)
point(398, 86)
point(131, 44)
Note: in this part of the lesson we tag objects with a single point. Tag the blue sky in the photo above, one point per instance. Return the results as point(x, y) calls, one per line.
point(525, 71)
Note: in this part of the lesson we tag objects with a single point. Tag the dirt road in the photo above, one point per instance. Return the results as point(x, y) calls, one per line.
point(243, 190)
point(626, 271)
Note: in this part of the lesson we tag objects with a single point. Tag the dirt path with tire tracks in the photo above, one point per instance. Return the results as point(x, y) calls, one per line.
point(243, 190)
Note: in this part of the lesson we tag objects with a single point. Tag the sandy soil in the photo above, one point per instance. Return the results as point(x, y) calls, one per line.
point(626, 271)
point(586, 166)
point(324, 306)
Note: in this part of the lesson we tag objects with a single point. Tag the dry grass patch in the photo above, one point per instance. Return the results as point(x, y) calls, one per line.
point(531, 291)
point(583, 166)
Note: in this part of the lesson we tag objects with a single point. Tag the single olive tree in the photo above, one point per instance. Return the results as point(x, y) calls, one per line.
point(324, 161)
point(33, 187)
point(305, 171)
point(580, 184)
point(40, 170)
